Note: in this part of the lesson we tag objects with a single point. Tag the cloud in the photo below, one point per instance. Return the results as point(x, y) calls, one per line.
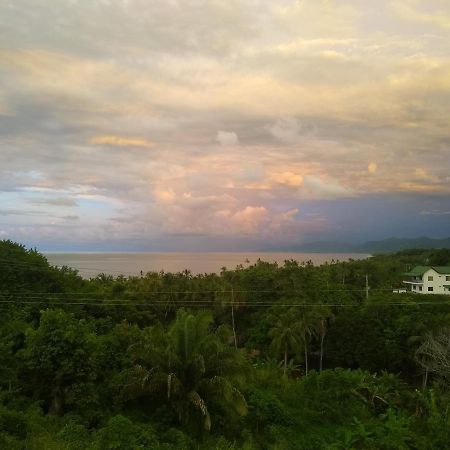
point(324, 18)
point(119, 141)
point(291, 213)
point(60, 201)
point(288, 178)
point(413, 10)
point(286, 130)
point(249, 219)
point(423, 174)
point(165, 195)
point(434, 213)
point(227, 138)
point(320, 188)
point(252, 111)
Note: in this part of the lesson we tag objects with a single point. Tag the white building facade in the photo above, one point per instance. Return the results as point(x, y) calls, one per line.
point(429, 280)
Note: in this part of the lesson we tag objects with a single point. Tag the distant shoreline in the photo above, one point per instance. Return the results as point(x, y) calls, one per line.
point(112, 252)
point(91, 264)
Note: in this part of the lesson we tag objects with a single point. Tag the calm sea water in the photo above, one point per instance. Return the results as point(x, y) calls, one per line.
point(91, 264)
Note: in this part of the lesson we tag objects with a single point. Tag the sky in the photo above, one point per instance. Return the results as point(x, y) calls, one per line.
point(223, 124)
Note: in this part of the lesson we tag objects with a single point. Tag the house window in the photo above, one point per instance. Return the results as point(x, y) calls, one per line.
point(430, 288)
point(430, 278)
point(420, 288)
point(447, 278)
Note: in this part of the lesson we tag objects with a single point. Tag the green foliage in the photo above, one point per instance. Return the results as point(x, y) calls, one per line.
point(195, 366)
point(59, 357)
point(13, 423)
point(138, 365)
point(27, 271)
point(74, 436)
point(120, 433)
point(286, 336)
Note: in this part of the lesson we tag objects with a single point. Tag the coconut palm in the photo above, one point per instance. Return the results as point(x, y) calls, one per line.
point(324, 315)
point(285, 336)
point(307, 320)
point(196, 366)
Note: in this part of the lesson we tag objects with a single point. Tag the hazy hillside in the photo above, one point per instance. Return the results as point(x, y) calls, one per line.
point(389, 245)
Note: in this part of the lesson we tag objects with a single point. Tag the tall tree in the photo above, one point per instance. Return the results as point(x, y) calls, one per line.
point(306, 325)
point(59, 355)
point(324, 315)
point(198, 367)
point(285, 336)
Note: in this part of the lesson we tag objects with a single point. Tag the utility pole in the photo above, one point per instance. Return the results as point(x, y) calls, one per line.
point(232, 317)
point(367, 287)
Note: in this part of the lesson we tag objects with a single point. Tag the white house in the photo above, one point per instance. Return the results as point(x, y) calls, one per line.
point(429, 279)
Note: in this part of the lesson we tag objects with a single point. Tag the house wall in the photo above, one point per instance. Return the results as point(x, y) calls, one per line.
point(437, 283)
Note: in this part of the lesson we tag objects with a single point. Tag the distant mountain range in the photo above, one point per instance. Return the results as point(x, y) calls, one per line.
point(389, 245)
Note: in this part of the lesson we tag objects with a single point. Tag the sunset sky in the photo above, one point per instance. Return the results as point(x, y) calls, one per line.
point(223, 124)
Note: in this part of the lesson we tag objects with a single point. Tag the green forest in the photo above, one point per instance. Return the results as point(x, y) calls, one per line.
point(269, 356)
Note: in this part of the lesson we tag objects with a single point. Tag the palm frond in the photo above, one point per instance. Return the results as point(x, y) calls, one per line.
point(173, 384)
point(199, 403)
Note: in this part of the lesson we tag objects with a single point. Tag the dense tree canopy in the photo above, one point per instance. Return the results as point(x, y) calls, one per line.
point(270, 356)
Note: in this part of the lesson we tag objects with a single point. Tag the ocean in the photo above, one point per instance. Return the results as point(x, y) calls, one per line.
point(91, 264)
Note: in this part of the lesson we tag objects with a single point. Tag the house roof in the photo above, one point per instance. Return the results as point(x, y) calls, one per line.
point(418, 271)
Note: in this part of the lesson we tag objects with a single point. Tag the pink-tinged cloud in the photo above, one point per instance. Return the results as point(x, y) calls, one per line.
point(249, 219)
point(234, 120)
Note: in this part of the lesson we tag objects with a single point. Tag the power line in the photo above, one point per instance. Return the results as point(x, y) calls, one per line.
point(138, 295)
point(212, 302)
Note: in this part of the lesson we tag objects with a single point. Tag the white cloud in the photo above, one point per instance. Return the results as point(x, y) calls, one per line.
point(434, 213)
point(227, 138)
point(320, 188)
point(286, 130)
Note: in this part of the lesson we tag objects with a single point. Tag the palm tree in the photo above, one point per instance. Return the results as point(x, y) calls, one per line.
point(285, 336)
point(306, 323)
point(434, 355)
point(197, 367)
point(324, 315)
